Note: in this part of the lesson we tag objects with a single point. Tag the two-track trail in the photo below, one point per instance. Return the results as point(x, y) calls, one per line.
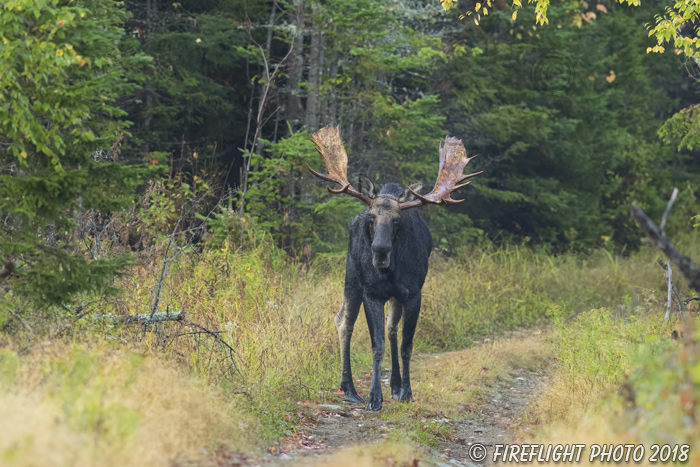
point(473, 396)
point(462, 398)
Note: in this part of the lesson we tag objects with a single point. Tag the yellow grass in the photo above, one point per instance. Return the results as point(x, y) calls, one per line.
point(186, 395)
point(78, 405)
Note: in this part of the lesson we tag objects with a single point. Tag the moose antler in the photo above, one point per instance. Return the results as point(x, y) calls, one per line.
point(330, 147)
point(453, 160)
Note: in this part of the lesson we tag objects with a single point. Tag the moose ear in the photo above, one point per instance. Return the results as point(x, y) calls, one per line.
point(407, 195)
point(367, 187)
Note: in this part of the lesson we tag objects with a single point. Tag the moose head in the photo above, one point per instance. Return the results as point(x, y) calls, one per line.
point(385, 208)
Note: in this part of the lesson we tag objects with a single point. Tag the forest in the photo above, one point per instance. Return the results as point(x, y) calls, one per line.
point(170, 268)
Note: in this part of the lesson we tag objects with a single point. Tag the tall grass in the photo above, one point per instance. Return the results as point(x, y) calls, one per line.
point(488, 291)
point(277, 315)
point(622, 378)
point(87, 404)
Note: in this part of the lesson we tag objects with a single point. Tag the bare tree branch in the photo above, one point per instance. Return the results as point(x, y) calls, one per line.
point(672, 289)
point(686, 266)
point(662, 225)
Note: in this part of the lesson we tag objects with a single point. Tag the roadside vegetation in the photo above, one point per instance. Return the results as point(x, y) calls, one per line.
point(624, 375)
point(108, 382)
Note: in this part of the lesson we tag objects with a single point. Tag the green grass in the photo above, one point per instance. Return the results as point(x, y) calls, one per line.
point(278, 316)
point(621, 372)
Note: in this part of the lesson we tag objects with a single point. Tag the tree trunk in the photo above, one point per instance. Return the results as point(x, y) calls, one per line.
point(332, 98)
point(270, 27)
point(294, 109)
point(313, 99)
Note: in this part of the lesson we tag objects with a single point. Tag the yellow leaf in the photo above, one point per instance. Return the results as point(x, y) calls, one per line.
point(601, 7)
point(478, 5)
point(195, 155)
point(486, 11)
point(476, 21)
point(23, 154)
point(515, 15)
point(611, 77)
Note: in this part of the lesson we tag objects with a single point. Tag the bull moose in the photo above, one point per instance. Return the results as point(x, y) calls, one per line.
point(387, 259)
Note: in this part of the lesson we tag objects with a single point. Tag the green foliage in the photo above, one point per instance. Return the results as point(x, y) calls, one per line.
point(563, 155)
point(683, 127)
point(561, 165)
point(624, 363)
point(193, 90)
point(666, 381)
point(668, 28)
point(63, 70)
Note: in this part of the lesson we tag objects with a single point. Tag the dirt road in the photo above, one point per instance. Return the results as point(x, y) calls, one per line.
point(464, 398)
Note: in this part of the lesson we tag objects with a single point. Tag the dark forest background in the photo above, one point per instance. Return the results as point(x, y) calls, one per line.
point(564, 118)
point(204, 110)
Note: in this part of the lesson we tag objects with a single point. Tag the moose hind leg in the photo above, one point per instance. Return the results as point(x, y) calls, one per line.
point(410, 320)
point(392, 326)
point(345, 322)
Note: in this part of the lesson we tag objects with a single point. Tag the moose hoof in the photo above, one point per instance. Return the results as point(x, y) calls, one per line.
point(406, 395)
point(395, 393)
point(353, 397)
point(375, 402)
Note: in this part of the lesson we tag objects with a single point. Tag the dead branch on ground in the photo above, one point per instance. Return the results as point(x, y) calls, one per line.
point(658, 237)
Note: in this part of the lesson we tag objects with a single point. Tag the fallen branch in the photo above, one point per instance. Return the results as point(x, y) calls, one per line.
point(198, 332)
point(686, 266)
point(691, 299)
point(215, 336)
point(148, 318)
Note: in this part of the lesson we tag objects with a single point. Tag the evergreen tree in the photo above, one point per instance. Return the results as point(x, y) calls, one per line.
point(63, 64)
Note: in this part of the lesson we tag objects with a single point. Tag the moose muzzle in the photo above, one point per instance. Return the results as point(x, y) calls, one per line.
point(381, 246)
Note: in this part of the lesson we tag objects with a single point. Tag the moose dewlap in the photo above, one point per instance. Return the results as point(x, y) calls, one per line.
point(387, 259)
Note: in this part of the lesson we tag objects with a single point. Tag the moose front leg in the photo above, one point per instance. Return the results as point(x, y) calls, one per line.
point(392, 325)
point(345, 322)
point(410, 319)
point(374, 311)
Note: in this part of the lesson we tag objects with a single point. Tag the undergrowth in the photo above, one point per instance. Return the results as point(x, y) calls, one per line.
point(278, 316)
point(84, 404)
point(624, 376)
point(259, 336)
